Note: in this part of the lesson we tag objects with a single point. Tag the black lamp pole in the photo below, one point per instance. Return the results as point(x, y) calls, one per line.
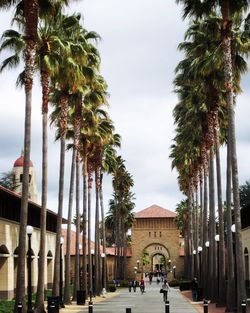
point(29, 233)
point(61, 275)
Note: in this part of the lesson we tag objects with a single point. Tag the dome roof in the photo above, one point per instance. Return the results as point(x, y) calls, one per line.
point(19, 162)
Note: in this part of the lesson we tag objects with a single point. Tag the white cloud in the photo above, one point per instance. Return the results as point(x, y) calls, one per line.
point(139, 54)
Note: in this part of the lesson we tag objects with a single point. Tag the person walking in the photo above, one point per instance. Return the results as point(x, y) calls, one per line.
point(134, 284)
point(129, 286)
point(142, 286)
point(194, 288)
point(165, 288)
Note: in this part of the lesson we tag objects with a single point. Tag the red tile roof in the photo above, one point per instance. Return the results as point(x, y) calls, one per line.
point(155, 211)
point(109, 250)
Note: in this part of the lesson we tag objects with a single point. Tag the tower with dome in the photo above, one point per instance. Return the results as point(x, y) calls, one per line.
point(18, 176)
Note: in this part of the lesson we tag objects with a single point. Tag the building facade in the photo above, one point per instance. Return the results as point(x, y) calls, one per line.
point(156, 243)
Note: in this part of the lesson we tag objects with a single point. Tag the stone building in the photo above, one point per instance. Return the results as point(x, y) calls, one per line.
point(245, 231)
point(10, 204)
point(156, 242)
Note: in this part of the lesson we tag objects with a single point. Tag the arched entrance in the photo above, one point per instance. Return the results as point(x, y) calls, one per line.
point(49, 269)
point(4, 270)
point(158, 258)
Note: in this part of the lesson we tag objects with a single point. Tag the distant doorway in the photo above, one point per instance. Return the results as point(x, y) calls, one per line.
point(159, 262)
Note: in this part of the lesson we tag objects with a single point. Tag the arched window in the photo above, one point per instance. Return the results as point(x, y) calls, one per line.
point(4, 250)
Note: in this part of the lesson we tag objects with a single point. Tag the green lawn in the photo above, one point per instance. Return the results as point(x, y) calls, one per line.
point(6, 306)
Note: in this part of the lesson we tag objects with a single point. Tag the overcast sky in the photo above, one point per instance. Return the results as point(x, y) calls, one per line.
point(139, 54)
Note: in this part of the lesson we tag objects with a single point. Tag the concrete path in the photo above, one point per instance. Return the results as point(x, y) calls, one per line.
point(149, 302)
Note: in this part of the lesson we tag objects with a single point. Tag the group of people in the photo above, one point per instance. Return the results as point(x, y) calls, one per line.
point(134, 283)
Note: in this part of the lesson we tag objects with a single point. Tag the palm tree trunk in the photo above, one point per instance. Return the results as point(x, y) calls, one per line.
point(63, 128)
point(97, 235)
point(104, 237)
point(77, 261)
point(67, 296)
point(39, 305)
point(90, 276)
point(205, 267)
point(212, 231)
point(31, 17)
point(231, 298)
point(221, 261)
point(84, 226)
point(228, 74)
point(189, 246)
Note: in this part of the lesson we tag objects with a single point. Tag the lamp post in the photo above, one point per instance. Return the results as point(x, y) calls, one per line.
point(138, 265)
point(135, 271)
point(199, 253)
point(195, 264)
point(115, 263)
point(206, 287)
point(80, 271)
point(233, 230)
point(169, 264)
point(92, 287)
point(61, 273)
point(174, 268)
point(217, 239)
point(29, 230)
point(103, 274)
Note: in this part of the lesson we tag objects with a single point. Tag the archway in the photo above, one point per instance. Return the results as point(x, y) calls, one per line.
point(4, 270)
point(158, 257)
point(15, 260)
point(49, 270)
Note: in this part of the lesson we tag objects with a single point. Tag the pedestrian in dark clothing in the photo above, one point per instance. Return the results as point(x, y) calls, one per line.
point(194, 288)
point(134, 284)
point(129, 286)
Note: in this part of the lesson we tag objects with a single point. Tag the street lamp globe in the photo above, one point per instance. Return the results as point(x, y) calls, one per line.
point(199, 249)
point(92, 251)
point(207, 244)
point(61, 240)
point(103, 255)
point(233, 229)
point(217, 237)
point(194, 252)
point(29, 230)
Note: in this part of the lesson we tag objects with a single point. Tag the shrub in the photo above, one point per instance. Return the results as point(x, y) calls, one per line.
point(185, 285)
point(111, 287)
point(124, 283)
point(174, 283)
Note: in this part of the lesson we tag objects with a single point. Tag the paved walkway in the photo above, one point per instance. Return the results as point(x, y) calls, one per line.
point(149, 302)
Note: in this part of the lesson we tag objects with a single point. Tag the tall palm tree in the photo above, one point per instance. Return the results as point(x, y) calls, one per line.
point(228, 8)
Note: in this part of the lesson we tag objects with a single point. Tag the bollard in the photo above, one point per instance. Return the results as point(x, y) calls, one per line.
point(52, 307)
point(128, 310)
point(205, 306)
point(90, 307)
point(19, 307)
point(243, 306)
point(167, 306)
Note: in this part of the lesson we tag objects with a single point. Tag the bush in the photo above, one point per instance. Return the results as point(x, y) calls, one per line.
point(6, 306)
point(174, 283)
point(111, 288)
point(185, 285)
point(124, 283)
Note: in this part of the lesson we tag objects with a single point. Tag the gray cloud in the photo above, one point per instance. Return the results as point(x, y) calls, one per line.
point(139, 54)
